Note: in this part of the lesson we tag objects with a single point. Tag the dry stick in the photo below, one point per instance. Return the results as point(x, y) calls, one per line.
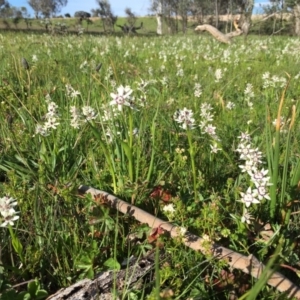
point(249, 265)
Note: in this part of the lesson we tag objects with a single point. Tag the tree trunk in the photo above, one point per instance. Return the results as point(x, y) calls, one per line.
point(159, 19)
point(217, 13)
point(176, 20)
point(245, 18)
point(159, 24)
point(103, 23)
point(296, 10)
point(184, 24)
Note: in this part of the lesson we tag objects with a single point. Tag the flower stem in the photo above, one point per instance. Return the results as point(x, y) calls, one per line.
point(192, 156)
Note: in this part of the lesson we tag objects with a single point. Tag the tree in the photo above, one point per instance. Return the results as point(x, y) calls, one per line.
point(106, 14)
point(157, 8)
point(158, 12)
point(36, 6)
point(175, 12)
point(286, 6)
point(82, 14)
point(166, 10)
point(14, 13)
point(183, 11)
point(2, 3)
point(4, 9)
point(273, 10)
point(241, 24)
point(47, 7)
point(131, 19)
point(293, 6)
point(246, 9)
point(25, 16)
point(200, 8)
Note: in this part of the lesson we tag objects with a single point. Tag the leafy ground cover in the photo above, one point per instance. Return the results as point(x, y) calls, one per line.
point(201, 134)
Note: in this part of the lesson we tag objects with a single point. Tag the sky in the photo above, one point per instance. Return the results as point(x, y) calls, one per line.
point(139, 7)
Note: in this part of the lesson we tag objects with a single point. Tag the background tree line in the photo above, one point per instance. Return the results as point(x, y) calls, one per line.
point(174, 14)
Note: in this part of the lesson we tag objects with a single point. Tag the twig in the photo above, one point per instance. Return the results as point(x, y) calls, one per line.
point(277, 31)
point(22, 283)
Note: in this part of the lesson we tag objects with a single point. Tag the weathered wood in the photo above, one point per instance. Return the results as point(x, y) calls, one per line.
point(218, 35)
point(101, 287)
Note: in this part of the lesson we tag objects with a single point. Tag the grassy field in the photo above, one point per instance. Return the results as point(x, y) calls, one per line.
point(201, 134)
point(93, 25)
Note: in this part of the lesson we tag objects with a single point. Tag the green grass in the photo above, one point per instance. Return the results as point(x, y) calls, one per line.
point(94, 25)
point(61, 237)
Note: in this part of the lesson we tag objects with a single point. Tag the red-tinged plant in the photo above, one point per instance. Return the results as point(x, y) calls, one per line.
point(160, 193)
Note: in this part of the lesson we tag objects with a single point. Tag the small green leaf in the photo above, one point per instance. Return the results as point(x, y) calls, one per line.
point(16, 243)
point(24, 296)
point(127, 150)
point(112, 264)
point(33, 287)
point(41, 294)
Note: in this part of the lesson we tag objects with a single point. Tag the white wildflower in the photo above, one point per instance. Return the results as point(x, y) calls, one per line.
point(182, 231)
point(249, 91)
point(34, 58)
point(71, 92)
point(75, 120)
point(218, 75)
point(250, 197)
point(7, 211)
point(245, 137)
point(210, 129)
point(51, 123)
point(122, 97)
point(52, 110)
point(185, 118)
point(230, 105)
point(214, 148)
point(169, 208)
point(89, 113)
point(197, 90)
point(246, 217)
point(259, 177)
point(39, 129)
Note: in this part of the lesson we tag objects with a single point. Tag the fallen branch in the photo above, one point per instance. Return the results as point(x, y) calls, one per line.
point(249, 265)
point(218, 35)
